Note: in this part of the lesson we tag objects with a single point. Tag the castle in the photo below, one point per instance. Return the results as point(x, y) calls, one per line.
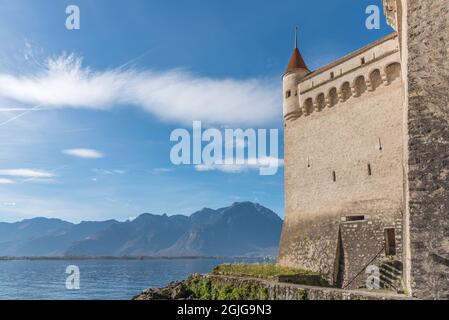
point(367, 158)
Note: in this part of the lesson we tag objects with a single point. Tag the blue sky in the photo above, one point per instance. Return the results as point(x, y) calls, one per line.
point(216, 61)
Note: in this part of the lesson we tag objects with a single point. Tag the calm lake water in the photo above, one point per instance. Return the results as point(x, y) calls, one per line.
point(99, 279)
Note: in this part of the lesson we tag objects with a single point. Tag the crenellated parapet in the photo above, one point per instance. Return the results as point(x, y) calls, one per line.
point(391, 12)
point(363, 71)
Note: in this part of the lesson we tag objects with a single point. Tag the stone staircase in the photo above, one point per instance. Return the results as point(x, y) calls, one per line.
point(391, 275)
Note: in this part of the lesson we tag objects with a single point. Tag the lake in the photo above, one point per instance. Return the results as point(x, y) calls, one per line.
point(99, 279)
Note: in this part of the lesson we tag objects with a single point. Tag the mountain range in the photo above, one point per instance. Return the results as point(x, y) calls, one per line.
point(242, 229)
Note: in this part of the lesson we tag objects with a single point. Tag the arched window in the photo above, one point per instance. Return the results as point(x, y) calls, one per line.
point(360, 85)
point(375, 79)
point(308, 105)
point(346, 91)
point(393, 71)
point(321, 101)
point(333, 97)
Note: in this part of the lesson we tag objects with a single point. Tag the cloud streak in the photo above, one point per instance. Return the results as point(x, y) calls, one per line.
point(26, 173)
point(84, 153)
point(6, 181)
point(109, 172)
point(35, 108)
point(157, 171)
point(175, 95)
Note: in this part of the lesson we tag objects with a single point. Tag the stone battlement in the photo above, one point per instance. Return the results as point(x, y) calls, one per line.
point(351, 76)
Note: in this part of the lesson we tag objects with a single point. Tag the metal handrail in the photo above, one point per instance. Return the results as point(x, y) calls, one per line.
point(364, 268)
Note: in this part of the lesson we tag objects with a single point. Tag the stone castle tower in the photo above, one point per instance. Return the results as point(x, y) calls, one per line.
point(367, 158)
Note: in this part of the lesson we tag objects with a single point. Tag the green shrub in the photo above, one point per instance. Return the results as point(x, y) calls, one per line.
point(205, 289)
point(301, 295)
point(271, 272)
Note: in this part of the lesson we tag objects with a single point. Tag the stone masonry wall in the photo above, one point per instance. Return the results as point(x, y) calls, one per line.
point(428, 146)
point(363, 244)
point(360, 140)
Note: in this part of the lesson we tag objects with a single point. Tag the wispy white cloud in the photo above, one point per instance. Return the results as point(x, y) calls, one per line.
point(13, 109)
point(109, 172)
point(249, 164)
point(157, 171)
point(6, 181)
point(84, 153)
point(41, 181)
point(9, 204)
point(26, 173)
point(28, 110)
point(175, 95)
point(15, 207)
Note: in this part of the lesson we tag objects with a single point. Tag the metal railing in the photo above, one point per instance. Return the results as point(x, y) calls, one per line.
point(364, 268)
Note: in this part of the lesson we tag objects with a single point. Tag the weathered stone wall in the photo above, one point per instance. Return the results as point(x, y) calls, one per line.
point(427, 57)
point(361, 243)
point(331, 138)
point(359, 142)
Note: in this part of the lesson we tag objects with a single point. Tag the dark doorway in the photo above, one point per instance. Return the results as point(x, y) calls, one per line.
point(390, 242)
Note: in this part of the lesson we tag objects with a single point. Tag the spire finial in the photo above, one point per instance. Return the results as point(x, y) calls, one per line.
point(296, 60)
point(296, 37)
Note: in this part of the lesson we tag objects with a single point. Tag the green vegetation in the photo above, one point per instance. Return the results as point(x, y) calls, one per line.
point(301, 295)
point(271, 272)
point(205, 289)
point(215, 289)
point(264, 271)
point(241, 287)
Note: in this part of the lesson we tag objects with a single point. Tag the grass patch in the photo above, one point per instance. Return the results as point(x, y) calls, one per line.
point(271, 272)
point(204, 289)
point(301, 295)
point(264, 271)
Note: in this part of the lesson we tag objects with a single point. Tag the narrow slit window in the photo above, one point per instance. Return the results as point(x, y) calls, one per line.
point(380, 145)
point(332, 75)
point(308, 163)
point(390, 242)
point(334, 176)
point(363, 60)
point(288, 94)
point(354, 218)
point(370, 172)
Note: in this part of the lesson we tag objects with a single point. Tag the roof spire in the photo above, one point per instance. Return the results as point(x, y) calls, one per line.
point(296, 37)
point(296, 60)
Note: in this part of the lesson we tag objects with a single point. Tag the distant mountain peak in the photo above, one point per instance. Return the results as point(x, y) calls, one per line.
point(244, 228)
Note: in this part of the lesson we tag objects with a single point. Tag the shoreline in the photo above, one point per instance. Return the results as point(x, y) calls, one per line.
point(131, 258)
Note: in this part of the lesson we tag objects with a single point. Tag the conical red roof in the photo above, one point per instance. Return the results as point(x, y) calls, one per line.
point(296, 62)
